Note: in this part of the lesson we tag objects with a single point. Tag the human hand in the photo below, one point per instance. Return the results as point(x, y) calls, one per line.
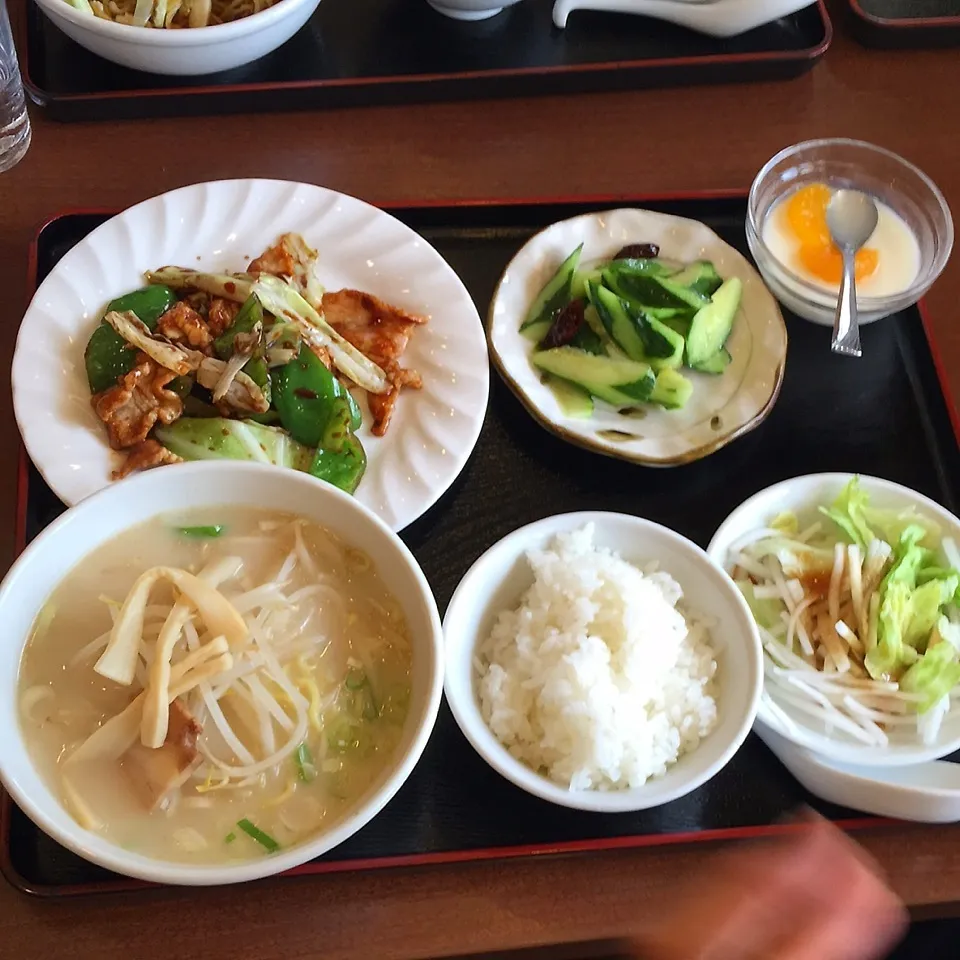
point(812, 896)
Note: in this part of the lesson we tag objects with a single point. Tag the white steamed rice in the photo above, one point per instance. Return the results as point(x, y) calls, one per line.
point(599, 679)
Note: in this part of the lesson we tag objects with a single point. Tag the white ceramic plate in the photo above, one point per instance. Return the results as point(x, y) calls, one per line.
point(721, 409)
point(213, 226)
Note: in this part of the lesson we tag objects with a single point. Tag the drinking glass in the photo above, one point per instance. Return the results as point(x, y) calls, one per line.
point(14, 122)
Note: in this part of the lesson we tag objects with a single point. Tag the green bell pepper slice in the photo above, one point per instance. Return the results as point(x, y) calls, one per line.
point(340, 459)
point(305, 394)
point(107, 356)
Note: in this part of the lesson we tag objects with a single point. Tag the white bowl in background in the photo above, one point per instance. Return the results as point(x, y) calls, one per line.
point(187, 52)
point(214, 483)
point(470, 9)
point(498, 579)
point(803, 495)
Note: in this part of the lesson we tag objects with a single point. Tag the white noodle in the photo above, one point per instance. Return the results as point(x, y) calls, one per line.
point(32, 698)
point(303, 555)
point(796, 628)
point(845, 633)
point(86, 652)
point(855, 568)
point(806, 535)
point(836, 576)
point(260, 715)
point(287, 567)
point(266, 700)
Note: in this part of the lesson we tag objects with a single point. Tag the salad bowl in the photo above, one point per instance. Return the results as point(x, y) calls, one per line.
point(892, 510)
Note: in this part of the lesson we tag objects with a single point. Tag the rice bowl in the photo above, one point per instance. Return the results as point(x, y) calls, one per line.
point(597, 679)
point(600, 739)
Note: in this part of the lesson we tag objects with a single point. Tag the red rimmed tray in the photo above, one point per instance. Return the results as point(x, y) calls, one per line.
point(454, 808)
point(906, 23)
point(399, 51)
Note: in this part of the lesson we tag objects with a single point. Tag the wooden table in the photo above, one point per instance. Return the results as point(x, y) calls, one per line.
point(707, 138)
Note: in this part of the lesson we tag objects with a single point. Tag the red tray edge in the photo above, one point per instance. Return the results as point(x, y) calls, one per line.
point(907, 23)
point(314, 868)
point(810, 53)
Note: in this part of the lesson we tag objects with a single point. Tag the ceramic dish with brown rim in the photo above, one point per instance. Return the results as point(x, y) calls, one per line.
point(720, 406)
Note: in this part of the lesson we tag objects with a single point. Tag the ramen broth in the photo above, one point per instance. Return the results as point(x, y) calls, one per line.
point(316, 688)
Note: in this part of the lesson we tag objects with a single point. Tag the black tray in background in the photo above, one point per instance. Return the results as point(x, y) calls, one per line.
point(906, 23)
point(361, 52)
point(882, 415)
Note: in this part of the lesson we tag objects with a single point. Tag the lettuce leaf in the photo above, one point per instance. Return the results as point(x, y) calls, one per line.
point(787, 523)
point(908, 558)
point(765, 612)
point(934, 675)
point(848, 513)
point(891, 652)
point(925, 604)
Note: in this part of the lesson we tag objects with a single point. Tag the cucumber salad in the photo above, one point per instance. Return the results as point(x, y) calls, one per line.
point(859, 613)
point(621, 330)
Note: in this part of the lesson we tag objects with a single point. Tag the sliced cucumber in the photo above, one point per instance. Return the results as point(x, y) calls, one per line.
point(654, 291)
point(672, 390)
point(617, 321)
point(553, 297)
point(593, 321)
point(648, 268)
point(622, 383)
point(581, 278)
point(664, 346)
point(713, 323)
point(574, 401)
point(700, 276)
point(587, 339)
point(715, 364)
point(680, 324)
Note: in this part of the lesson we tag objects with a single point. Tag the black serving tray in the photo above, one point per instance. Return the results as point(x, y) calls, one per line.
point(884, 415)
point(906, 23)
point(359, 52)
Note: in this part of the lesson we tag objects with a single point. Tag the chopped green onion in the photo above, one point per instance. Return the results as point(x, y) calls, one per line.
point(371, 710)
point(231, 836)
point(356, 680)
point(214, 530)
point(359, 682)
point(255, 833)
point(305, 765)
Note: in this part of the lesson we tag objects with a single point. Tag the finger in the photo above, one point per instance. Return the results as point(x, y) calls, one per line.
point(745, 899)
point(841, 936)
point(859, 918)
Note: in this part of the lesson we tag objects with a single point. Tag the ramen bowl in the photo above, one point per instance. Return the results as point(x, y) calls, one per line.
point(188, 52)
point(114, 512)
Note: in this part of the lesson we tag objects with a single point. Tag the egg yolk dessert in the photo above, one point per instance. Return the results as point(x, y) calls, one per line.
point(796, 233)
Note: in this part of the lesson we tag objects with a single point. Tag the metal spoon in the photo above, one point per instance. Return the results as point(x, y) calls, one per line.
point(851, 218)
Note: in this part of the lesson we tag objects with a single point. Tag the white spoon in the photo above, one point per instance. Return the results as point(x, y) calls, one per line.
point(924, 792)
point(719, 18)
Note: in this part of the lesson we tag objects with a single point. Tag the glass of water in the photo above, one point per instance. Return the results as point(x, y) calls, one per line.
point(14, 122)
